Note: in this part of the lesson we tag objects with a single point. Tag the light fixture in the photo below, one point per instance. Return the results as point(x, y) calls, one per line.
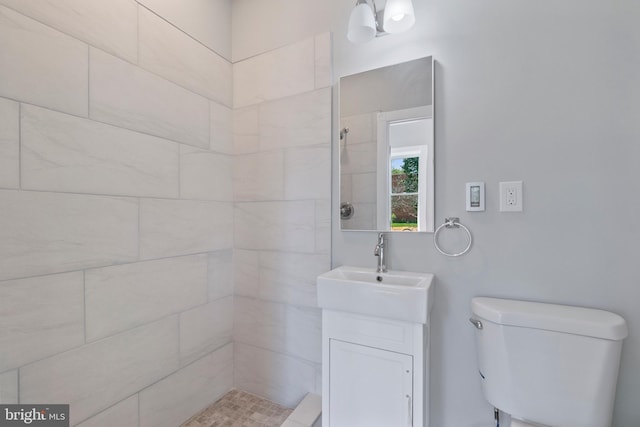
point(364, 23)
point(398, 16)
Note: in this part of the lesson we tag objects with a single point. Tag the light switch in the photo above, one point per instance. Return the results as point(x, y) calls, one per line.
point(475, 196)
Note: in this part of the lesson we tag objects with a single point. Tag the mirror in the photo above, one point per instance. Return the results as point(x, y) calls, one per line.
point(387, 148)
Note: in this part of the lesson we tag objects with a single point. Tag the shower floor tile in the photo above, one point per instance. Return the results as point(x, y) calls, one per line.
point(240, 409)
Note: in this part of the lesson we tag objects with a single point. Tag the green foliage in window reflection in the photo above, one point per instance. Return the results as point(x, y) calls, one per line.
point(404, 198)
point(410, 168)
point(404, 179)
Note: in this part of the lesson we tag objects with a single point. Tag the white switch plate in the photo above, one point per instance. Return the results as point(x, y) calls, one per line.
point(511, 196)
point(475, 196)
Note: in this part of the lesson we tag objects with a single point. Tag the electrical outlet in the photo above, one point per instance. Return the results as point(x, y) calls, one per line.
point(511, 196)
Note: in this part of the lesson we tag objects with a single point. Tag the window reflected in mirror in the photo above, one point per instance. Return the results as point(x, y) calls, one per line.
point(404, 196)
point(405, 136)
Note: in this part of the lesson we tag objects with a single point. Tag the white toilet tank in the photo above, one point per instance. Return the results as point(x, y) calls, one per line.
point(548, 364)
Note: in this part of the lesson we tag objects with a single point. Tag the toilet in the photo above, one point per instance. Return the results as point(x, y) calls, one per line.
point(548, 365)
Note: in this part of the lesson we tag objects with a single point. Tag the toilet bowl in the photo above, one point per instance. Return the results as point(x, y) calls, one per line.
point(533, 358)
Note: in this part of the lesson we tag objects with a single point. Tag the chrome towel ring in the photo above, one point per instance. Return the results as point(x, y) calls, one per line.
point(451, 222)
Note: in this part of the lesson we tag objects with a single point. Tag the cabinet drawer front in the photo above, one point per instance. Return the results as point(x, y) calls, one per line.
point(370, 331)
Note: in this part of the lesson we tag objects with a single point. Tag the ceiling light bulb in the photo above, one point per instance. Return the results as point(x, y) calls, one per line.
point(362, 24)
point(398, 16)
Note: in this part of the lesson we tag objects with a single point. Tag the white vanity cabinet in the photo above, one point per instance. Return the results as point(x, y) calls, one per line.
point(375, 347)
point(374, 371)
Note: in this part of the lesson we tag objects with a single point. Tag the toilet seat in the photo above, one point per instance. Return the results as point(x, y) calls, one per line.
point(519, 423)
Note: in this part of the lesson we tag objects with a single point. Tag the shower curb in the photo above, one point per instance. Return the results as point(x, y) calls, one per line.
point(307, 413)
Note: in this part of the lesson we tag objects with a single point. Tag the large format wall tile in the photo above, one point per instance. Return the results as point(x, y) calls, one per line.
point(205, 175)
point(307, 173)
point(111, 26)
point(220, 274)
point(304, 333)
point(282, 184)
point(291, 277)
point(282, 72)
point(207, 21)
point(173, 400)
point(260, 323)
point(53, 73)
point(323, 226)
point(129, 97)
point(345, 187)
point(286, 226)
point(181, 227)
point(279, 327)
point(95, 376)
point(364, 188)
point(296, 121)
point(122, 414)
point(70, 154)
point(324, 77)
point(205, 328)
point(362, 128)
point(360, 158)
point(246, 272)
point(278, 377)
point(246, 130)
point(9, 144)
point(9, 387)
point(43, 233)
point(125, 296)
point(259, 176)
point(39, 317)
point(279, 276)
point(364, 218)
point(221, 128)
point(172, 54)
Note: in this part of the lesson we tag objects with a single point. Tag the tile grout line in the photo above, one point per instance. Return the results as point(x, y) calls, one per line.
point(118, 55)
point(140, 5)
point(138, 405)
point(88, 82)
point(84, 304)
point(19, 146)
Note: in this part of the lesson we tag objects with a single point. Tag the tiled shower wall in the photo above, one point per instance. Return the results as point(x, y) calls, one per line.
point(282, 184)
point(358, 166)
point(116, 213)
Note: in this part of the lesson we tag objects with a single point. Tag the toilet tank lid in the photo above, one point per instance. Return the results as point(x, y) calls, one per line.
point(553, 317)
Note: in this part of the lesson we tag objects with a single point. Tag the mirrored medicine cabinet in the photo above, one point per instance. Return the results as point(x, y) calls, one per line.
point(387, 148)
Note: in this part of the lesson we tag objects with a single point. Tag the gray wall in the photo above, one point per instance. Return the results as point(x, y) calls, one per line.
point(115, 211)
point(545, 92)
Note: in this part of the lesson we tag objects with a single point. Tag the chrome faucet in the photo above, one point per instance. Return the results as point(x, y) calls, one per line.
point(379, 252)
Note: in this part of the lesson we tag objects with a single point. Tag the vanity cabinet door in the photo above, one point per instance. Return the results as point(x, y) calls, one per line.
point(369, 387)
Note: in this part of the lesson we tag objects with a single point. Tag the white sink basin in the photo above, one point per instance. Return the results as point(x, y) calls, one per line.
point(400, 295)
